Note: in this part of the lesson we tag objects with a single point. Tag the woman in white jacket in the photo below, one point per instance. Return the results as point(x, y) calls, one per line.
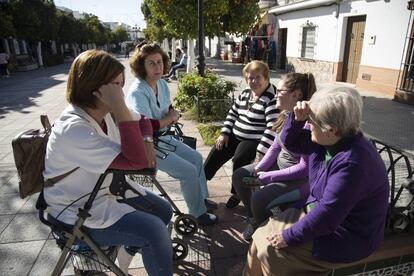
point(88, 138)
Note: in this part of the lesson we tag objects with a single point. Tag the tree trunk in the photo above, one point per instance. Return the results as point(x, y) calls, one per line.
point(6, 46)
point(39, 54)
point(53, 46)
point(190, 54)
point(173, 47)
point(218, 49)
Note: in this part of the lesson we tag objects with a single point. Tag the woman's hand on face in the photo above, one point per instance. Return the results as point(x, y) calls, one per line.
point(302, 111)
point(111, 95)
point(276, 240)
point(222, 140)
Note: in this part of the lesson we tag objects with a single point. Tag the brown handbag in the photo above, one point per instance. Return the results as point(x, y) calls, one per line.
point(29, 150)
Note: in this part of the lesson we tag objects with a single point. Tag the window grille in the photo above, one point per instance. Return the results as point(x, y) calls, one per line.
point(308, 42)
point(406, 82)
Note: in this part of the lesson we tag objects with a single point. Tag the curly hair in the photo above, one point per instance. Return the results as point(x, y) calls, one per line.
point(137, 61)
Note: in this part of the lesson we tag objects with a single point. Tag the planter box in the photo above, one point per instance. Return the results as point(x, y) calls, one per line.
point(28, 67)
point(236, 60)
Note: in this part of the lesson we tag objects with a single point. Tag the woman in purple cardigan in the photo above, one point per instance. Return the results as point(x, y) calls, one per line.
point(343, 219)
point(282, 172)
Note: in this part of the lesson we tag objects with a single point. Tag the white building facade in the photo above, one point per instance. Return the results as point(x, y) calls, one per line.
point(356, 41)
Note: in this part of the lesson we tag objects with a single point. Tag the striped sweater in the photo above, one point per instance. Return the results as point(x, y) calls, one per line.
point(253, 121)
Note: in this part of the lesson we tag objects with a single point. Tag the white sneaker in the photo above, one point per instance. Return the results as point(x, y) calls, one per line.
point(123, 260)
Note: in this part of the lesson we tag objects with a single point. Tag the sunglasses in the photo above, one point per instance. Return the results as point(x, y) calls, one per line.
point(313, 121)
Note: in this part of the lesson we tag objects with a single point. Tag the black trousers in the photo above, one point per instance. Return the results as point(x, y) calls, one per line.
point(243, 153)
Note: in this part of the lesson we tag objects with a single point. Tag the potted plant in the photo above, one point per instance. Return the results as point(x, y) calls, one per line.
point(205, 99)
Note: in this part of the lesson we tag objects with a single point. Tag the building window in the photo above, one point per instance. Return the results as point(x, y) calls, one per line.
point(308, 42)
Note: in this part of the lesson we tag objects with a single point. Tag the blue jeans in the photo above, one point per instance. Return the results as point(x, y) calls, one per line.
point(258, 203)
point(186, 165)
point(143, 229)
point(174, 68)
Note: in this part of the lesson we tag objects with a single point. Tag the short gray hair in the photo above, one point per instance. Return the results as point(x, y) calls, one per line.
point(338, 107)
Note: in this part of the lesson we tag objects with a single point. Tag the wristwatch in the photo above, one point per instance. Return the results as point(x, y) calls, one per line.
point(148, 139)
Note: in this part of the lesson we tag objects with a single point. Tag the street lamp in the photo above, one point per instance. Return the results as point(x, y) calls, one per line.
point(201, 59)
point(135, 30)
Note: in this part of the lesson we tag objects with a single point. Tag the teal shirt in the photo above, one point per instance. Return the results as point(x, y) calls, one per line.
point(142, 99)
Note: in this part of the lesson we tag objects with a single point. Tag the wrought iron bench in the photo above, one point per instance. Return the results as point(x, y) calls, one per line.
point(396, 255)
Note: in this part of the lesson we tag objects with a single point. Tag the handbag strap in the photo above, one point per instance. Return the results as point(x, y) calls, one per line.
point(44, 119)
point(54, 180)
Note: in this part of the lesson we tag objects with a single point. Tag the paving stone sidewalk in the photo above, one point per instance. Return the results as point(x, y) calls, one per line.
point(26, 248)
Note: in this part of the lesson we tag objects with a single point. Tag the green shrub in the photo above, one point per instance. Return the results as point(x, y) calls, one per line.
point(209, 132)
point(211, 96)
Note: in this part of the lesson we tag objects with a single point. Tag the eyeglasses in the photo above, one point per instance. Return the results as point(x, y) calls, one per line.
point(283, 90)
point(118, 83)
point(312, 121)
point(256, 78)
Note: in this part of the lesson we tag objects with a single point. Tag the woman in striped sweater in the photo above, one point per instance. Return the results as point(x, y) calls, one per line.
point(248, 125)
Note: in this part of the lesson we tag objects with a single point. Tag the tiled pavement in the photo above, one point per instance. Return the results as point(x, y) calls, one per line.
point(24, 245)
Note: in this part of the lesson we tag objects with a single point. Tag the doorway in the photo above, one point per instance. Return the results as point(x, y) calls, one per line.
point(353, 48)
point(282, 39)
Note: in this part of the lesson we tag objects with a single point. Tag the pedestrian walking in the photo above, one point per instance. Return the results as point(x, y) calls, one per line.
point(127, 50)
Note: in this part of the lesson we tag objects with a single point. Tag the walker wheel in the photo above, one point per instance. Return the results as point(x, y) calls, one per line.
point(185, 225)
point(180, 249)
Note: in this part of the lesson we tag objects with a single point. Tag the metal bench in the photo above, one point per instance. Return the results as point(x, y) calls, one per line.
point(396, 254)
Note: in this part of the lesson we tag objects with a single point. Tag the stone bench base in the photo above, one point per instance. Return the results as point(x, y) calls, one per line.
point(394, 257)
point(28, 67)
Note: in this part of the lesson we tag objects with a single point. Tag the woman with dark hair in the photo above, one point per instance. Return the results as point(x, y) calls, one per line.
point(177, 65)
point(150, 95)
point(283, 172)
point(96, 132)
point(178, 56)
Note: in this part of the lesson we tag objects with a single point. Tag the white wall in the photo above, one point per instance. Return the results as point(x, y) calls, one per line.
point(213, 49)
point(326, 39)
point(388, 21)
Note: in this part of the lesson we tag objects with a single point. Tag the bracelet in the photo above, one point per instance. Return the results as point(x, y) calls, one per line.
point(148, 139)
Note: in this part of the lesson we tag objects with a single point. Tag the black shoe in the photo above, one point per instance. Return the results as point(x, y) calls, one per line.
point(210, 205)
point(249, 230)
point(233, 201)
point(207, 219)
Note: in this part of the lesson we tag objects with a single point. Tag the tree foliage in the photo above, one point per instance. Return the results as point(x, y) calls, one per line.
point(179, 18)
point(95, 31)
point(39, 20)
point(119, 35)
point(6, 27)
point(68, 27)
point(26, 20)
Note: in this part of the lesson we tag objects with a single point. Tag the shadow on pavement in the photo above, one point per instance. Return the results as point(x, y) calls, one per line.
point(390, 122)
point(21, 90)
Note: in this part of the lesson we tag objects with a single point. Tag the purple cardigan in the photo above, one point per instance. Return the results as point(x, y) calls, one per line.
point(351, 195)
point(297, 171)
